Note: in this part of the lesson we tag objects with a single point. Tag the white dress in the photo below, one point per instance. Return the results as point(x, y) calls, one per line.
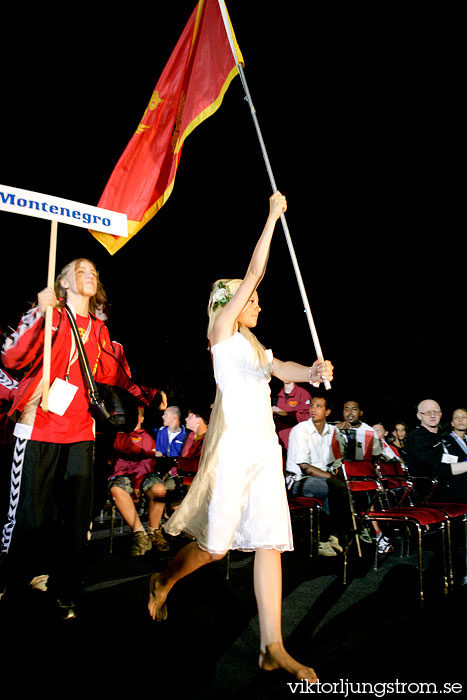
point(238, 498)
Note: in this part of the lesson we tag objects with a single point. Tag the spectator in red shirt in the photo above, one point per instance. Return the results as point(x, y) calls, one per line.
point(132, 476)
point(197, 423)
point(292, 406)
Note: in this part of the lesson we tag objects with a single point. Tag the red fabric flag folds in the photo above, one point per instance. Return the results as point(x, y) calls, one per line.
point(190, 89)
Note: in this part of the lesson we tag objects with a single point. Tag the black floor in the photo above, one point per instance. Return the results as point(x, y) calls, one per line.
point(371, 631)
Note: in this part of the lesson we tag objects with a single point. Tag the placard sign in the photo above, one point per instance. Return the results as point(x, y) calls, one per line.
point(65, 211)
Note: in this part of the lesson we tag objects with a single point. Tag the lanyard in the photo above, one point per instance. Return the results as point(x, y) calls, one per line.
point(74, 351)
point(459, 440)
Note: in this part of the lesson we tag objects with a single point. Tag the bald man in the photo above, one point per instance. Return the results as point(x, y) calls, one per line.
point(427, 455)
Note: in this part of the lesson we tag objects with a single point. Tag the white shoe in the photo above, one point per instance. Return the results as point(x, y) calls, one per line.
point(384, 545)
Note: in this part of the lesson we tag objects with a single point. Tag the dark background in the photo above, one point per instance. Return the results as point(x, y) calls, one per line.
point(360, 112)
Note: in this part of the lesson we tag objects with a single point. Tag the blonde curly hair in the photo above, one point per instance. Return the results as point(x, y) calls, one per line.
point(214, 309)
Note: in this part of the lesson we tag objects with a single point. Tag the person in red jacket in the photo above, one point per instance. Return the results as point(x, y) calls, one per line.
point(291, 407)
point(133, 474)
point(51, 485)
point(197, 424)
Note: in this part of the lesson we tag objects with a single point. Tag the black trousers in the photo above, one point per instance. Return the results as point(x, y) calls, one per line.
point(49, 514)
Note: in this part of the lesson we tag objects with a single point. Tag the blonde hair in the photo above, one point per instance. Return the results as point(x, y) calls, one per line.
point(213, 312)
point(100, 298)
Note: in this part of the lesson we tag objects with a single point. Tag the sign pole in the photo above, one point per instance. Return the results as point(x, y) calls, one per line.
point(48, 319)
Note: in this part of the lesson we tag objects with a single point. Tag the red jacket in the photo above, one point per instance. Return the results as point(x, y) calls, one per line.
point(135, 455)
point(25, 348)
point(297, 406)
point(191, 453)
point(8, 387)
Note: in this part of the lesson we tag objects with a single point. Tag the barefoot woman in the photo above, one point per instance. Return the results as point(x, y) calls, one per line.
point(238, 499)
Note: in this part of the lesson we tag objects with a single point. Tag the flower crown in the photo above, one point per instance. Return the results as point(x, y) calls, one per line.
point(221, 296)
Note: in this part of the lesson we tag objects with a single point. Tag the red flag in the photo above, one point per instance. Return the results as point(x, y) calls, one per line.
point(190, 89)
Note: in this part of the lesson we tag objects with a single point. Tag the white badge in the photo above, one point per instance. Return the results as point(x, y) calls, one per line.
point(449, 459)
point(61, 395)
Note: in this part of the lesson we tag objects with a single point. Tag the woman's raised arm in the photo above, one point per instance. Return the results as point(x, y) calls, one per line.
point(225, 323)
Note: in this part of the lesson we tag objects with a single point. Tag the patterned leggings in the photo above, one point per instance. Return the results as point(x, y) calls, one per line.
point(49, 512)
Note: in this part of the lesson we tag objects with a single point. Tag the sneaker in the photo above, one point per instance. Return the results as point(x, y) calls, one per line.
point(158, 541)
point(325, 550)
point(141, 544)
point(334, 542)
point(67, 609)
point(384, 545)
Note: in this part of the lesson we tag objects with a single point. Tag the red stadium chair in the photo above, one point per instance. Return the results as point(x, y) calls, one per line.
point(362, 478)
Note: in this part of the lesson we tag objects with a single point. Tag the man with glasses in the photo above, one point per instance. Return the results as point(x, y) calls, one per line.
point(427, 455)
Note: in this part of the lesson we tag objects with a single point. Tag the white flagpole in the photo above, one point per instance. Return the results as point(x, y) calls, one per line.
point(298, 275)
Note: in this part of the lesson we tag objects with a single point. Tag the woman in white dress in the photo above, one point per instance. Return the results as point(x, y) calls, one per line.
point(238, 499)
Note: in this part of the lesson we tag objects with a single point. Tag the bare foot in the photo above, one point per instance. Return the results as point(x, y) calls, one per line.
point(276, 657)
point(156, 604)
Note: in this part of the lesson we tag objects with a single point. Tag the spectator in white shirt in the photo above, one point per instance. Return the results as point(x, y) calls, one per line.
point(309, 469)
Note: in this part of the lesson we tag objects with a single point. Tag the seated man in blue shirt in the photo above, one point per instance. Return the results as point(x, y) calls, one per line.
point(170, 438)
point(169, 443)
